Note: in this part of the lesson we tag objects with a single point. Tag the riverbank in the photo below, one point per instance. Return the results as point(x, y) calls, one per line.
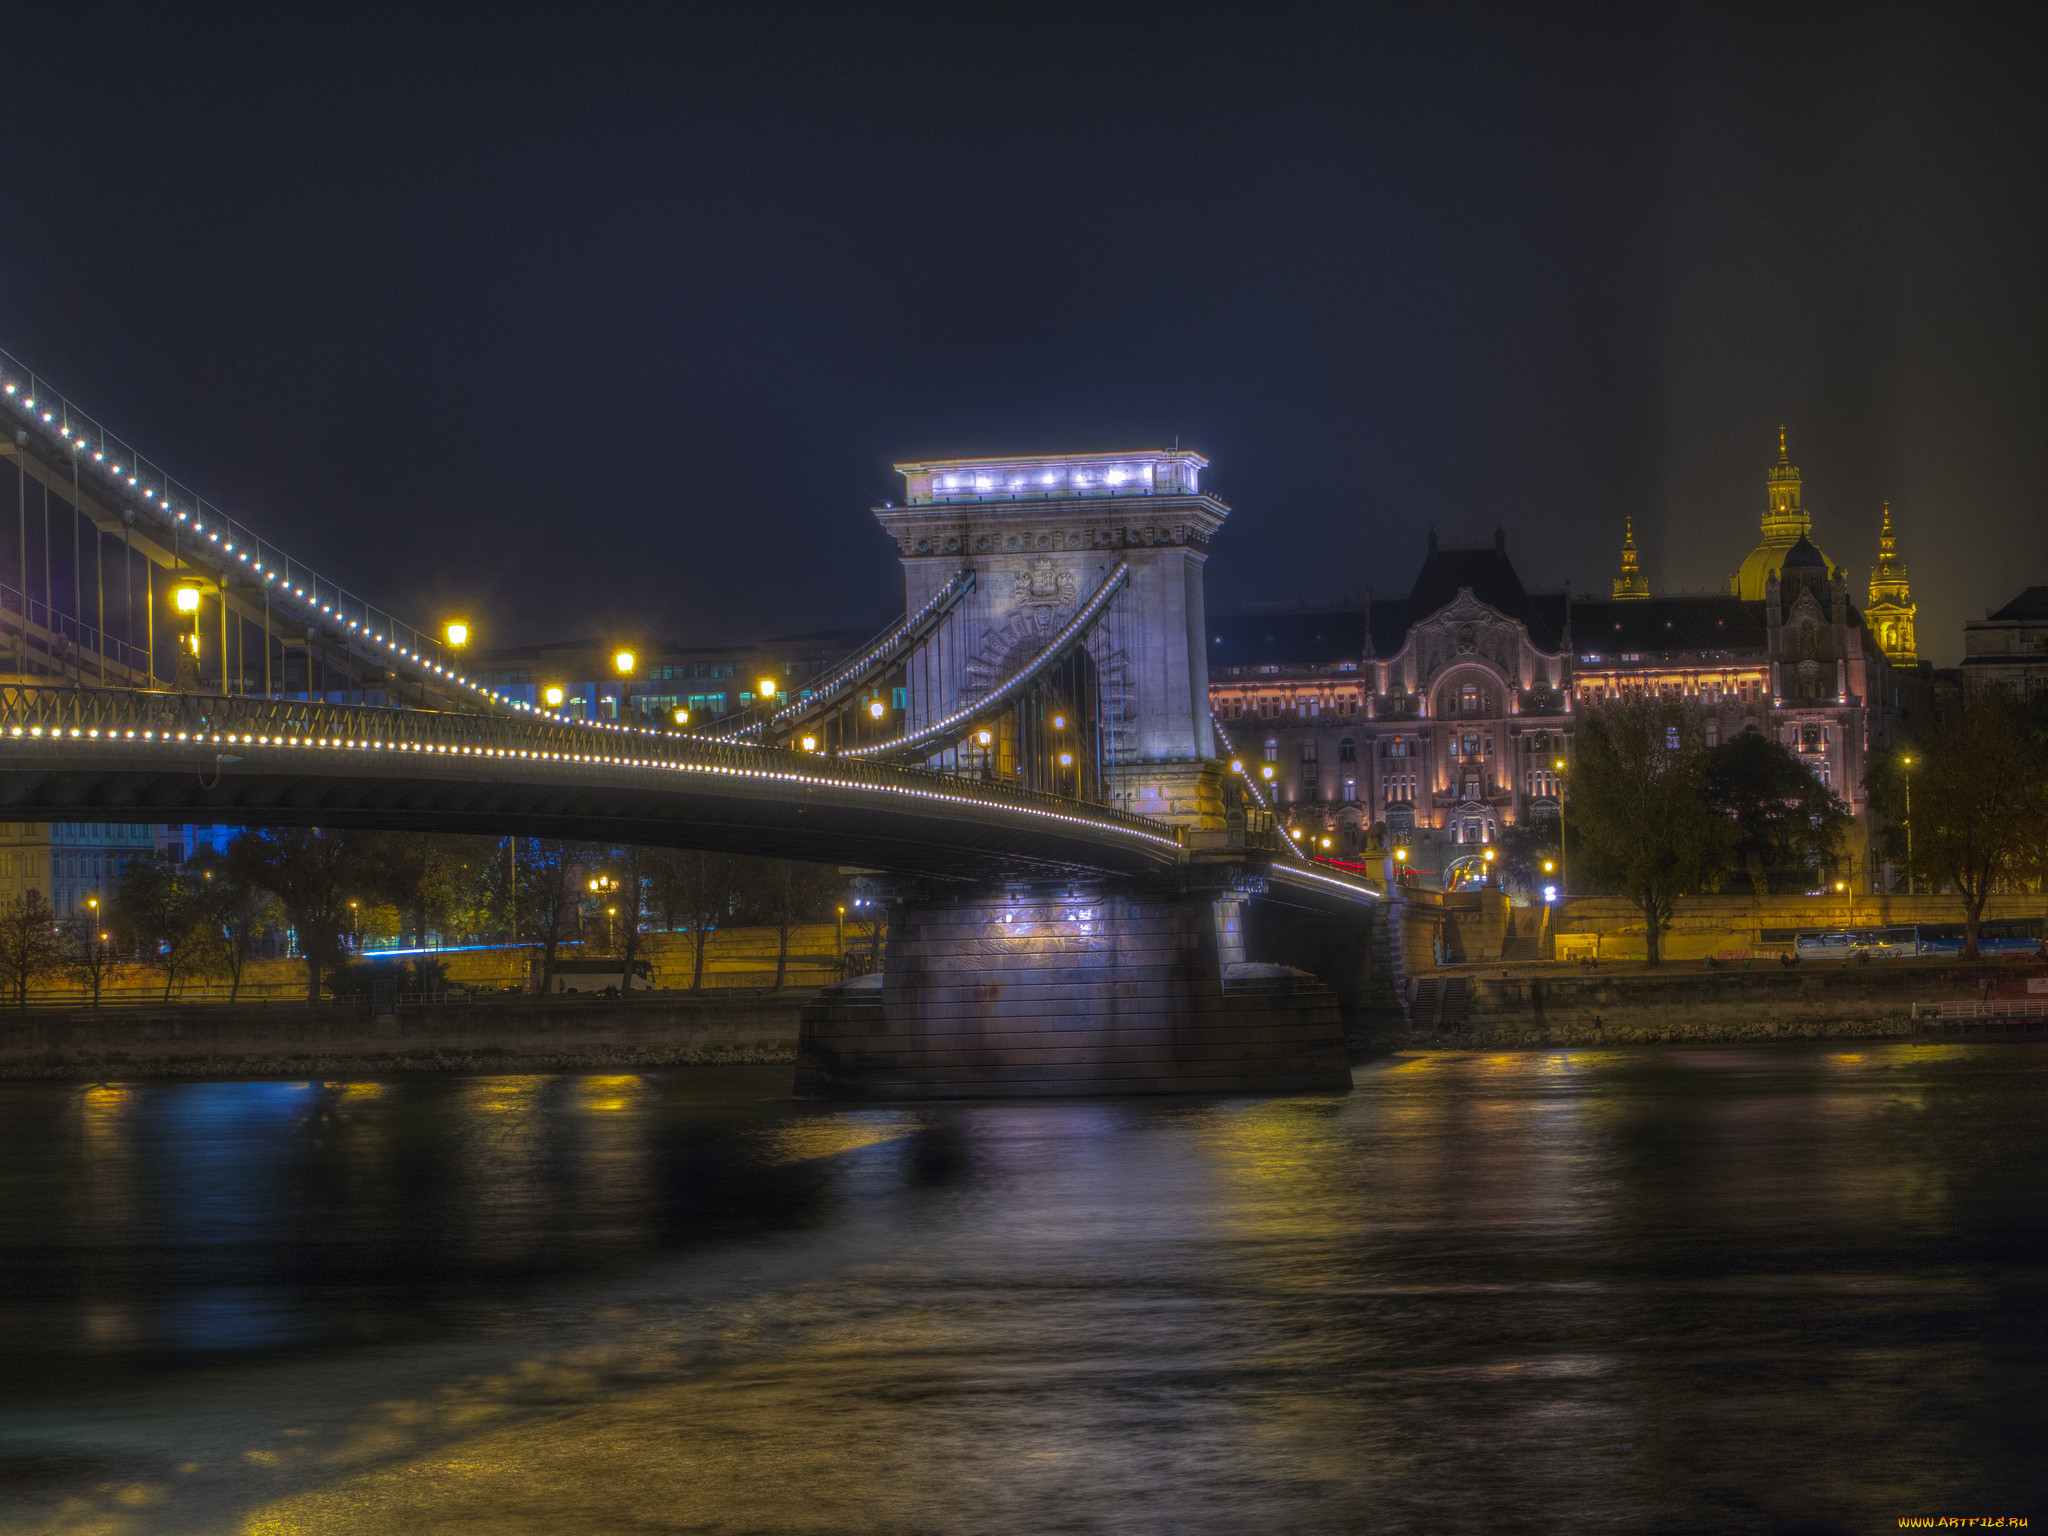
point(496, 1034)
point(1495, 1007)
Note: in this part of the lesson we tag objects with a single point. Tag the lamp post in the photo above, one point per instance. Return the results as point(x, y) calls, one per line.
point(1564, 877)
point(623, 663)
point(1906, 772)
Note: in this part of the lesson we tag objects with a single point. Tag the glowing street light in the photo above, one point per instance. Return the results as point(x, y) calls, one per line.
point(877, 709)
point(984, 737)
point(456, 632)
point(1266, 772)
point(1400, 855)
point(187, 599)
point(1059, 722)
point(810, 743)
point(682, 717)
point(553, 695)
point(769, 689)
point(624, 660)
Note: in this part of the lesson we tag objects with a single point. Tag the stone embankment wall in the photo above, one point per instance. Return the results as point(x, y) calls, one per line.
point(1814, 1001)
point(513, 1034)
point(1611, 928)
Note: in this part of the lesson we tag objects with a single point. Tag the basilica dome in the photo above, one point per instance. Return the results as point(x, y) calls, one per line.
point(1786, 523)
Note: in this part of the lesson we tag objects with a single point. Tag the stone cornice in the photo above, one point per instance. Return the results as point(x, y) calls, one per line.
point(995, 527)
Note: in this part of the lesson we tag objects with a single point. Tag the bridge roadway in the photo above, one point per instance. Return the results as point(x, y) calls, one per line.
point(91, 754)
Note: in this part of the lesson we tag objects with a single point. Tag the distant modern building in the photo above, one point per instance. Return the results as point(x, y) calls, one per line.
point(2011, 645)
point(708, 681)
point(1442, 716)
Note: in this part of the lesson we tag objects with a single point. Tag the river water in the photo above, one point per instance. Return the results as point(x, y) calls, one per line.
point(1796, 1289)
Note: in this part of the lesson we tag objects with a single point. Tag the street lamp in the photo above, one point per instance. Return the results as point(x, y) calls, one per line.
point(769, 689)
point(623, 661)
point(456, 632)
point(682, 717)
point(1905, 768)
point(1564, 874)
point(877, 709)
point(552, 695)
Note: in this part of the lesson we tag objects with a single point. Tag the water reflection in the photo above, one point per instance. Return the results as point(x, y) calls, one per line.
point(1624, 1290)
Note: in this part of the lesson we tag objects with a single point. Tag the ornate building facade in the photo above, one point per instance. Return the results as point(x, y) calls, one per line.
point(1443, 717)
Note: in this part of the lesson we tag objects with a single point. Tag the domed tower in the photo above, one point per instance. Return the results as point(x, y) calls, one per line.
point(1891, 607)
point(1785, 523)
point(1631, 584)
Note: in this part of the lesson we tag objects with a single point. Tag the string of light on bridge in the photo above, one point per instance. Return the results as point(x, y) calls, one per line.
point(123, 479)
point(116, 738)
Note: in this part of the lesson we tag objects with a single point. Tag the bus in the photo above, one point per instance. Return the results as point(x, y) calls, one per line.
point(2005, 936)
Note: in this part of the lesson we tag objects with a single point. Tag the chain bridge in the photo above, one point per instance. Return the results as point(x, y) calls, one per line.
point(1077, 872)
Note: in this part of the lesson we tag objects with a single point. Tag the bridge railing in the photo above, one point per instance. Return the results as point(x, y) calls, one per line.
point(34, 712)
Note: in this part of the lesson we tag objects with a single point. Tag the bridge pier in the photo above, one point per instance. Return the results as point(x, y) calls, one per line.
point(1069, 990)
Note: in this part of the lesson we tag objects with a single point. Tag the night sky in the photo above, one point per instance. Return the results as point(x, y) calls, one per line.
point(596, 320)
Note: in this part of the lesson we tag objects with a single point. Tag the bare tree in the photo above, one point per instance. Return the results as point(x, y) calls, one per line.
point(784, 894)
point(89, 952)
point(31, 944)
point(698, 888)
point(547, 902)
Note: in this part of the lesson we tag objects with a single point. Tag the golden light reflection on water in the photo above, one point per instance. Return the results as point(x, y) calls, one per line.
point(802, 1141)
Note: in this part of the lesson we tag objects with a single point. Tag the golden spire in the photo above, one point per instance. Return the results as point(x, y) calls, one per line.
point(1783, 456)
point(1891, 609)
point(1631, 584)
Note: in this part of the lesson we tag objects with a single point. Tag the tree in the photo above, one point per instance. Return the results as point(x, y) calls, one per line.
point(311, 872)
point(547, 903)
point(234, 914)
point(783, 894)
point(699, 888)
point(1980, 801)
point(1637, 803)
point(31, 946)
point(1787, 825)
point(156, 909)
point(90, 954)
point(1524, 849)
point(433, 878)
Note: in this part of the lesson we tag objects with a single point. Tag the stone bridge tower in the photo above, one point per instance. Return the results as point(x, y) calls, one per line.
point(1042, 534)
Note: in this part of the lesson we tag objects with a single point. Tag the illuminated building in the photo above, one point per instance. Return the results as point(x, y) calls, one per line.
point(1785, 522)
point(1631, 585)
point(1890, 610)
point(1441, 717)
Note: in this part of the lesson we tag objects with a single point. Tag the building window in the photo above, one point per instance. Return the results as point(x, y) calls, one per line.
point(1272, 749)
point(1350, 789)
point(1671, 738)
point(1308, 749)
point(1347, 751)
point(1713, 733)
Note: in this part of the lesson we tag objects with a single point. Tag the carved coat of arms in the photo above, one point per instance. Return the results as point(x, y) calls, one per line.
point(1040, 583)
